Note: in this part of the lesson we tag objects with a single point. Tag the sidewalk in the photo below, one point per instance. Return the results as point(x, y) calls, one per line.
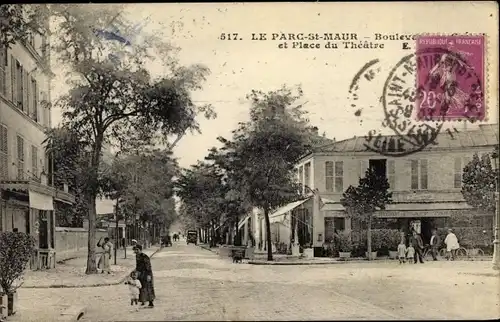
point(71, 273)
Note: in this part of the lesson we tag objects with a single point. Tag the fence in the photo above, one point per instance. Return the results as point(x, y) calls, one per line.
point(70, 242)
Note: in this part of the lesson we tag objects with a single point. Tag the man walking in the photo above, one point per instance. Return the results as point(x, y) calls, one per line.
point(418, 244)
point(435, 243)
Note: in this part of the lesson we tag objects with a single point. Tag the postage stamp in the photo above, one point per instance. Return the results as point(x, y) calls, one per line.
point(450, 77)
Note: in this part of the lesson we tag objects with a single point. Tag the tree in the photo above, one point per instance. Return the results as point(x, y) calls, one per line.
point(479, 181)
point(260, 160)
point(70, 164)
point(203, 191)
point(142, 184)
point(119, 102)
point(371, 194)
point(19, 21)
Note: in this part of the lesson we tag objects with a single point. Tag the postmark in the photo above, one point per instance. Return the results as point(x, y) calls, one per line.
point(450, 77)
point(414, 116)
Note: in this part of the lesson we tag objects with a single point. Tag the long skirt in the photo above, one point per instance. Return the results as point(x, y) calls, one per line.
point(147, 292)
point(105, 262)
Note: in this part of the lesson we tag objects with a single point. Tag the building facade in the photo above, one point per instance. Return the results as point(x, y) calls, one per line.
point(27, 192)
point(426, 186)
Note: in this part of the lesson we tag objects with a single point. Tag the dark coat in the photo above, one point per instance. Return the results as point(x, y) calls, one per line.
point(143, 268)
point(417, 241)
point(436, 242)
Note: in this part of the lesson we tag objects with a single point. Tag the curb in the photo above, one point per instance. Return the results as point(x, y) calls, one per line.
point(120, 281)
point(209, 249)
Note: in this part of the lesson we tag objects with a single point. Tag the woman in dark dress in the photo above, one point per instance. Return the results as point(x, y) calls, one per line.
point(145, 276)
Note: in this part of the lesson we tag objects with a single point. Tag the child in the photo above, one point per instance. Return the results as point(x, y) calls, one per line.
point(134, 285)
point(402, 252)
point(410, 253)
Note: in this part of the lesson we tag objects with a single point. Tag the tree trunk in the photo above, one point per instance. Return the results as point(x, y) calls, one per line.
point(268, 235)
point(91, 245)
point(91, 199)
point(369, 237)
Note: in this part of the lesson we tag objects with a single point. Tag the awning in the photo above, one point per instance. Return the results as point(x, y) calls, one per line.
point(40, 201)
point(285, 209)
point(243, 221)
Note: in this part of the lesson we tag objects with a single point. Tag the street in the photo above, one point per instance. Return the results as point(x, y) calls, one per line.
point(195, 284)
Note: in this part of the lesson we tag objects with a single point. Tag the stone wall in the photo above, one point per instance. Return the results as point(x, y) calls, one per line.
point(72, 242)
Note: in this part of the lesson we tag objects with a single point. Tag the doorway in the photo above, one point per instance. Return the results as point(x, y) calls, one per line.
point(43, 230)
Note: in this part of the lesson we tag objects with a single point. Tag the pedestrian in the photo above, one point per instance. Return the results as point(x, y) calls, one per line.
point(134, 287)
point(452, 245)
point(145, 276)
point(410, 253)
point(435, 243)
point(418, 245)
point(402, 252)
point(105, 260)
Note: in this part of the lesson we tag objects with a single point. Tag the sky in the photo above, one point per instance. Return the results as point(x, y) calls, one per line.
point(238, 66)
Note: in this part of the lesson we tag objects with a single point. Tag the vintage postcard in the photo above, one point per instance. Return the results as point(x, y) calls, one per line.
point(249, 161)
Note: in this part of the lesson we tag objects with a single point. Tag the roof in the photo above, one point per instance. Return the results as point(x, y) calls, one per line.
point(485, 135)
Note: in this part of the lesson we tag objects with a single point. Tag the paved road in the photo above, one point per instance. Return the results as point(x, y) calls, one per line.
point(195, 284)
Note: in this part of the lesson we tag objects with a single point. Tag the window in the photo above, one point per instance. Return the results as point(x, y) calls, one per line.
point(20, 158)
point(18, 82)
point(3, 70)
point(460, 164)
point(334, 176)
point(419, 178)
point(307, 175)
point(13, 81)
point(391, 174)
point(34, 162)
point(34, 99)
point(4, 161)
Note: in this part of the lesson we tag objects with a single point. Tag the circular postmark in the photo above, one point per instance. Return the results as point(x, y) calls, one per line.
point(422, 92)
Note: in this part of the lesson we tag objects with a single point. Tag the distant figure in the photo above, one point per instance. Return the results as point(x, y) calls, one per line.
point(176, 237)
point(402, 252)
point(410, 253)
point(452, 245)
point(418, 245)
point(15, 230)
point(435, 243)
point(134, 287)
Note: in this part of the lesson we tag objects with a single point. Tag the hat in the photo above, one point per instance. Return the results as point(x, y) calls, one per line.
point(138, 247)
point(449, 229)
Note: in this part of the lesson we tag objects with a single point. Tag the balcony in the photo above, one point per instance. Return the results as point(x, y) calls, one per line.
point(37, 186)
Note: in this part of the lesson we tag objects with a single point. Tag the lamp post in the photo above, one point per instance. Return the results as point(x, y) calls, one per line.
point(496, 242)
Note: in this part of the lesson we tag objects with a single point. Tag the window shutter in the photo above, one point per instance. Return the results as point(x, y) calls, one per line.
point(13, 76)
point(4, 161)
point(26, 93)
point(36, 102)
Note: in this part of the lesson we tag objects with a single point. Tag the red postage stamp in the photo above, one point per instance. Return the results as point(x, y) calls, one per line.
point(450, 78)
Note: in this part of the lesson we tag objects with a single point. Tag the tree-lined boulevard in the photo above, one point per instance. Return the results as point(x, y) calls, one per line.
point(120, 122)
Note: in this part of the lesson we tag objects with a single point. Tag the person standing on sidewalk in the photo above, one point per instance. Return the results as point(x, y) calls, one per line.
point(452, 245)
point(418, 244)
point(435, 243)
point(145, 276)
point(106, 256)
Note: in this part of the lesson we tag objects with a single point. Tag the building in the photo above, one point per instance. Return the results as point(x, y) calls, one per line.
point(26, 181)
point(426, 186)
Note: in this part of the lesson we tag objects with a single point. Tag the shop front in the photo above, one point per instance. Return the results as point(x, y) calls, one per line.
point(32, 212)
